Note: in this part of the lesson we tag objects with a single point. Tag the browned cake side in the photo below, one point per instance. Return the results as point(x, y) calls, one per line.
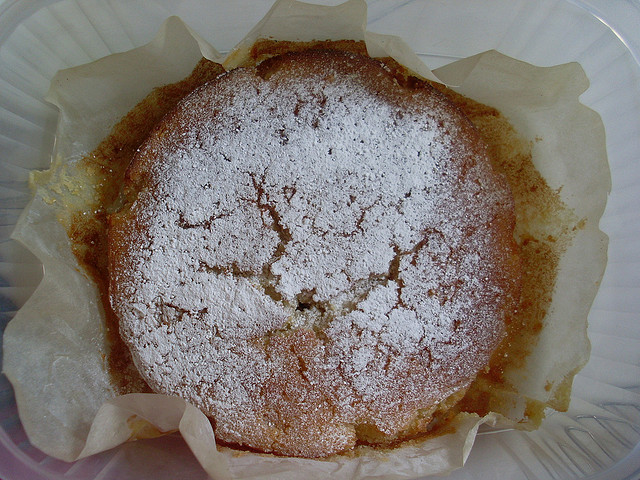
point(313, 254)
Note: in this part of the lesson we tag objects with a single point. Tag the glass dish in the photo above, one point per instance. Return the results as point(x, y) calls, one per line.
point(599, 437)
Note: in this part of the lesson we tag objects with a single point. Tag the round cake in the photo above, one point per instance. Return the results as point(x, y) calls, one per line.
point(314, 253)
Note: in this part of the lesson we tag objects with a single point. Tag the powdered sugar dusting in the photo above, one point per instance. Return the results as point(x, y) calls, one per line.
point(313, 247)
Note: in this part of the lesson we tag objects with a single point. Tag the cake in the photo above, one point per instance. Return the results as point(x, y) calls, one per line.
point(315, 253)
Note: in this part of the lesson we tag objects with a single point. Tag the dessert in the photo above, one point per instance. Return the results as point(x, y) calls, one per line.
point(314, 252)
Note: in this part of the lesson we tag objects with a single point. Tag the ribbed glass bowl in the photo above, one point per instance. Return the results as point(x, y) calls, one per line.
point(599, 437)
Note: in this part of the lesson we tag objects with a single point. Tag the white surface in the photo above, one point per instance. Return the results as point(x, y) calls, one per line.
point(598, 437)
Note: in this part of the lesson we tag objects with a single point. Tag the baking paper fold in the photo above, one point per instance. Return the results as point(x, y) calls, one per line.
point(54, 348)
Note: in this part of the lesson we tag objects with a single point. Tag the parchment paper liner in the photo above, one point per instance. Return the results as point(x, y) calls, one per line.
point(54, 347)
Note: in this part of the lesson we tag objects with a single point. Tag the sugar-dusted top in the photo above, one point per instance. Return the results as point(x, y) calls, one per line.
point(313, 254)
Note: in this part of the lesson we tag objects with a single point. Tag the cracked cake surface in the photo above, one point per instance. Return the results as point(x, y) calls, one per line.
point(314, 254)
